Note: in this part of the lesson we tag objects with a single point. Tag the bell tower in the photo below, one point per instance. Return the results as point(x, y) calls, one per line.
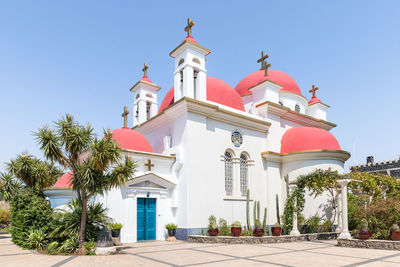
point(145, 105)
point(190, 68)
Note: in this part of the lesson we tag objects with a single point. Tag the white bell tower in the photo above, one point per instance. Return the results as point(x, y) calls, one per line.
point(190, 68)
point(145, 105)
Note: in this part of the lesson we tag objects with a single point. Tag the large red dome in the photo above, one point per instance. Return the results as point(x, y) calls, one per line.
point(131, 140)
point(218, 91)
point(276, 76)
point(308, 138)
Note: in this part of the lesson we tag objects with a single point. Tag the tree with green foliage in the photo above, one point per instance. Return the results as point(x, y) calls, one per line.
point(33, 172)
point(8, 186)
point(97, 165)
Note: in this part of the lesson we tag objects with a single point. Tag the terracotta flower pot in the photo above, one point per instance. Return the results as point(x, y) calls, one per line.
point(236, 231)
point(395, 235)
point(364, 235)
point(276, 231)
point(258, 232)
point(213, 231)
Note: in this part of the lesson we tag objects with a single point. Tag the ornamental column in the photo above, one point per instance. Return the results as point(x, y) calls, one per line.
point(344, 234)
point(236, 177)
point(295, 231)
point(339, 211)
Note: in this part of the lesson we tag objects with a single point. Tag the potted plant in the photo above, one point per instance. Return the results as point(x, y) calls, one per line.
point(258, 230)
point(276, 229)
point(395, 232)
point(171, 229)
point(116, 229)
point(236, 229)
point(364, 233)
point(212, 226)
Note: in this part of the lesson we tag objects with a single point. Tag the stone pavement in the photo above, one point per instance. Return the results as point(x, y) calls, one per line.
point(161, 253)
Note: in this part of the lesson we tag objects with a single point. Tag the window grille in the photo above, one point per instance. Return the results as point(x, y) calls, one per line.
point(243, 174)
point(297, 108)
point(228, 174)
point(148, 106)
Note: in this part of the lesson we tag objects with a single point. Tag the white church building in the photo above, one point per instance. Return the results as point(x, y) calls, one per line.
point(199, 151)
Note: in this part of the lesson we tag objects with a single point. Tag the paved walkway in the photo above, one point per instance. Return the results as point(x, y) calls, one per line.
point(161, 253)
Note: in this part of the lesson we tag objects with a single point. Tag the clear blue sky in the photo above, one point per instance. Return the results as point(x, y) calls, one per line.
point(82, 57)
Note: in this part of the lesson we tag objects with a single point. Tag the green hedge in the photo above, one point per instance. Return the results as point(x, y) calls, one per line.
point(28, 212)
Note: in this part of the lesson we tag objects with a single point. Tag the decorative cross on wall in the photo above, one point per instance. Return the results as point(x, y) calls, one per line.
point(188, 28)
point(145, 69)
point(125, 116)
point(313, 90)
point(149, 165)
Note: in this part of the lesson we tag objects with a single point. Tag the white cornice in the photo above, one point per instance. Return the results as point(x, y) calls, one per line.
point(212, 111)
point(321, 154)
point(290, 115)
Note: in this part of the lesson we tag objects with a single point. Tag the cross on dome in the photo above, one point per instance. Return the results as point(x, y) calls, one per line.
point(313, 90)
point(145, 69)
point(125, 116)
point(188, 28)
point(262, 59)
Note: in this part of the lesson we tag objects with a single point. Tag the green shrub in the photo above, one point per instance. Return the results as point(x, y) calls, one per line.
point(326, 226)
point(28, 212)
point(36, 239)
point(223, 227)
point(212, 222)
point(68, 223)
point(313, 224)
point(90, 247)
point(171, 226)
point(247, 232)
point(52, 248)
point(70, 245)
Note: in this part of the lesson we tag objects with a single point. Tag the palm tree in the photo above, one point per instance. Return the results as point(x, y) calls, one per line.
point(97, 165)
point(8, 185)
point(33, 172)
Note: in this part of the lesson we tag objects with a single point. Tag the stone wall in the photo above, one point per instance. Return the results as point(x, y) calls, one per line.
point(261, 240)
point(374, 244)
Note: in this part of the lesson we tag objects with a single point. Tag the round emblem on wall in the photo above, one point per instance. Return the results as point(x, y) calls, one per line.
point(237, 138)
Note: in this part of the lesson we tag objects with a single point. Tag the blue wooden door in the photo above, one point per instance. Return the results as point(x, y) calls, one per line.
point(146, 219)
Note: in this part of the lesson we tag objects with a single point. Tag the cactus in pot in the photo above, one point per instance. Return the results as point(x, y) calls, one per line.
point(212, 226)
point(258, 231)
point(265, 220)
point(395, 232)
point(364, 233)
point(236, 229)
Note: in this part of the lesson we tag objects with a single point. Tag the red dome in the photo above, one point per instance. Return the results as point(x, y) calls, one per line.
point(218, 91)
point(314, 100)
point(132, 140)
point(146, 79)
point(308, 138)
point(64, 181)
point(276, 76)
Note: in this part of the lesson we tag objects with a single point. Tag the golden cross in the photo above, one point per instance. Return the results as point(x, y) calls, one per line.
point(262, 59)
point(313, 90)
point(149, 165)
point(266, 66)
point(188, 28)
point(125, 115)
point(145, 69)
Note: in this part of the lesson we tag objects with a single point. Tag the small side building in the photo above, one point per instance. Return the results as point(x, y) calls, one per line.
point(391, 167)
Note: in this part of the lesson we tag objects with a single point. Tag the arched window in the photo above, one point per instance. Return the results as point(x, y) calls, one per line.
point(181, 61)
point(196, 60)
point(228, 174)
point(243, 174)
point(297, 108)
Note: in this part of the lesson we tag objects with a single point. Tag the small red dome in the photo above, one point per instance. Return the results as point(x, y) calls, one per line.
point(132, 140)
point(64, 181)
point(314, 100)
point(308, 138)
point(276, 76)
point(218, 91)
point(191, 39)
point(146, 79)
